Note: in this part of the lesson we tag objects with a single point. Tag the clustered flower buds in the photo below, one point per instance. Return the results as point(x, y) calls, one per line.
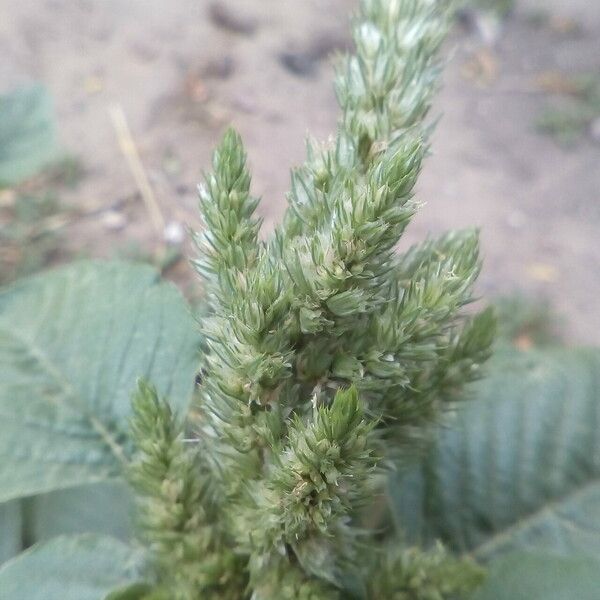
point(328, 353)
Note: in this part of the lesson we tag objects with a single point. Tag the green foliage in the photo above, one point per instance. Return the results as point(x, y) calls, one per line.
point(566, 124)
point(27, 134)
point(525, 322)
point(25, 244)
point(105, 508)
point(11, 524)
point(416, 575)
point(567, 119)
point(175, 514)
point(134, 591)
point(85, 567)
point(31, 215)
point(519, 470)
point(227, 209)
point(291, 583)
point(72, 343)
point(525, 576)
point(318, 477)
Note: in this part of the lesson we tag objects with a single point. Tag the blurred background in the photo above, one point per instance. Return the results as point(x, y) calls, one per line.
point(109, 111)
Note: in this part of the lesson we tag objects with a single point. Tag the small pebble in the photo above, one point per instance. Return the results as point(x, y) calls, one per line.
point(174, 233)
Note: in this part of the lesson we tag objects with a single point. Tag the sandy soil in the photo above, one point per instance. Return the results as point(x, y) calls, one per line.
point(181, 75)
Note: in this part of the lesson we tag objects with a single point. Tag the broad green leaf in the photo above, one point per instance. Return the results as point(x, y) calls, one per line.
point(27, 133)
point(520, 467)
point(84, 567)
point(73, 343)
point(105, 508)
point(526, 576)
point(11, 530)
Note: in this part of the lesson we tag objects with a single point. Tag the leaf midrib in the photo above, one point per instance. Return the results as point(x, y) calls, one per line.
point(55, 373)
point(486, 548)
point(551, 507)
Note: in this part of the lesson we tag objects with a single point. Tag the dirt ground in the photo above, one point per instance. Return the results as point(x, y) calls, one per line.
point(182, 71)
